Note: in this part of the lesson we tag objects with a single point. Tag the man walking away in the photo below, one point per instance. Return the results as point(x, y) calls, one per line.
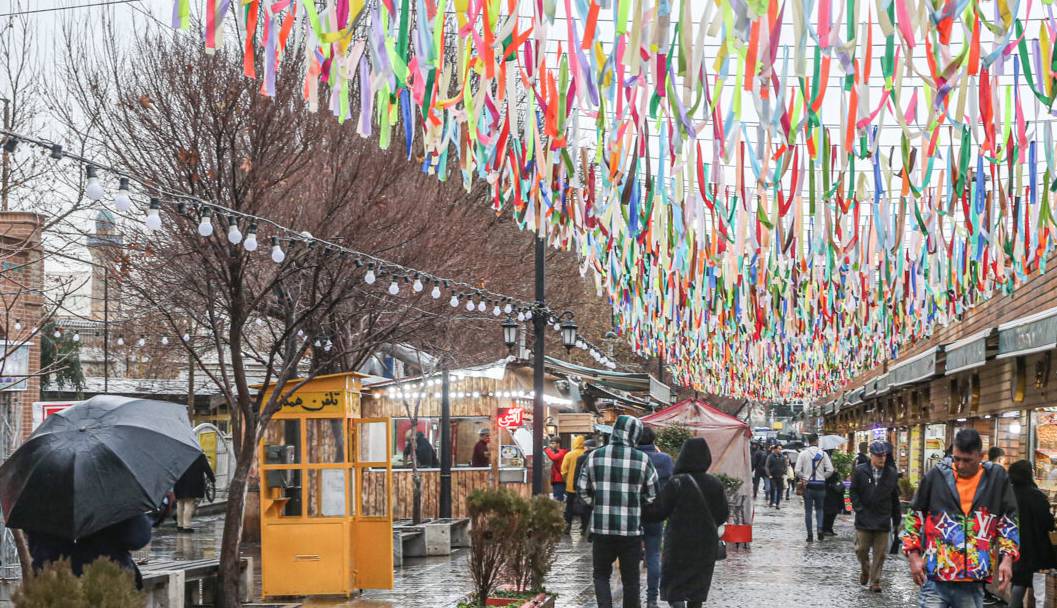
point(812, 468)
point(582, 508)
point(652, 531)
point(189, 489)
point(861, 458)
point(776, 466)
point(958, 515)
point(995, 455)
point(556, 454)
point(875, 498)
point(568, 471)
point(617, 480)
point(759, 469)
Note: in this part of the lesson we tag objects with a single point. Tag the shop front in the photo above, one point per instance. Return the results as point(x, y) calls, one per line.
point(935, 445)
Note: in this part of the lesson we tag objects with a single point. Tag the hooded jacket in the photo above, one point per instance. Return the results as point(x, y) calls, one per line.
point(569, 464)
point(956, 546)
point(557, 458)
point(691, 537)
point(617, 481)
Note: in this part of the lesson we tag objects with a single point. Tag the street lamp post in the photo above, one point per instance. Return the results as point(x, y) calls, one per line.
point(539, 325)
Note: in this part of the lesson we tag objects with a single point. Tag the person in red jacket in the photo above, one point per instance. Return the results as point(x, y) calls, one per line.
point(556, 453)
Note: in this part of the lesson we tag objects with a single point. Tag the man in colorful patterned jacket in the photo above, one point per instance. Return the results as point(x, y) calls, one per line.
point(959, 513)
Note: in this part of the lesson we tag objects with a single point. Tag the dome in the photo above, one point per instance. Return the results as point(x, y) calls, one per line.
point(104, 222)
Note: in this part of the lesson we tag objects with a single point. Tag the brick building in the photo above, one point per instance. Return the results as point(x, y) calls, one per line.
point(22, 301)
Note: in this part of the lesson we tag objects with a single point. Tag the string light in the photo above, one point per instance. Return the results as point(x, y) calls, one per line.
point(417, 285)
point(93, 188)
point(393, 288)
point(234, 234)
point(120, 341)
point(369, 278)
point(205, 225)
point(18, 325)
point(454, 300)
point(122, 199)
point(153, 221)
point(435, 294)
point(250, 244)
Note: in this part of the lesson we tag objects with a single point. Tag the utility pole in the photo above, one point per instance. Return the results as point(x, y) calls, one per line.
point(445, 447)
point(5, 176)
point(106, 313)
point(539, 325)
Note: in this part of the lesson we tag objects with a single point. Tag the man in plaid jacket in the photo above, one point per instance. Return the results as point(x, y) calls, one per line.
point(617, 481)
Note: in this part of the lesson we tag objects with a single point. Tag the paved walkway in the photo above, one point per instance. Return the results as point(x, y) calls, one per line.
point(779, 569)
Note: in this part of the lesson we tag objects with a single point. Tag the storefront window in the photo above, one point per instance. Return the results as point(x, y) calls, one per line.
point(935, 444)
point(1011, 435)
point(465, 432)
point(1044, 423)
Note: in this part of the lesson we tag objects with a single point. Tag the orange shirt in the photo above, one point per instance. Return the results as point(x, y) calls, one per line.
point(967, 488)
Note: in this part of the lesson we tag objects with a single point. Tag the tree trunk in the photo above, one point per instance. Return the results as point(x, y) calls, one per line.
point(416, 494)
point(229, 574)
point(25, 560)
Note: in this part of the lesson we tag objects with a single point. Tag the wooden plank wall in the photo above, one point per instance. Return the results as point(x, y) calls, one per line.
point(462, 484)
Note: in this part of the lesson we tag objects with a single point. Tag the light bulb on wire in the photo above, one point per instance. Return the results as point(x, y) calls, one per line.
point(153, 221)
point(417, 285)
point(481, 306)
point(165, 340)
point(122, 200)
point(93, 188)
point(205, 225)
point(277, 252)
point(120, 341)
point(369, 278)
point(508, 308)
point(18, 325)
point(454, 301)
point(76, 337)
point(186, 337)
point(234, 234)
point(496, 311)
point(393, 288)
point(470, 306)
point(250, 244)
point(141, 342)
point(436, 292)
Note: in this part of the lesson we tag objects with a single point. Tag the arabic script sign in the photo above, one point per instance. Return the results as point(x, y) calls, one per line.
point(510, 417)
point(314, 403)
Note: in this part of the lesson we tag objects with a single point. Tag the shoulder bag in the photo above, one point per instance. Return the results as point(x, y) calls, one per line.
point(721, 549)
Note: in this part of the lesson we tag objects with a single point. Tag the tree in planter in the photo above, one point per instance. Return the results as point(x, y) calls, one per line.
point(495, 518)
point(671, 438)
point(103, 584)
point(534, 544)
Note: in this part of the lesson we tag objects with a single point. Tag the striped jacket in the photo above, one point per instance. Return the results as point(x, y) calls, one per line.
point(617, 480)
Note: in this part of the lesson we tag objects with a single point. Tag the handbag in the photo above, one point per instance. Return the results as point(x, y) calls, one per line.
point(721, 548)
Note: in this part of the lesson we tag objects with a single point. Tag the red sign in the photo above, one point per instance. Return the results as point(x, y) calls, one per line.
point(510, 417)
point(43, 409)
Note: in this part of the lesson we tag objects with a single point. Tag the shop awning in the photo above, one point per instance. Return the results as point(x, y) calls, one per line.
point(1031, 334)
point(622, 381)
point(856, 396)
point(877, 386)
point(918, 368)
point(970, 352)
point(600, 391)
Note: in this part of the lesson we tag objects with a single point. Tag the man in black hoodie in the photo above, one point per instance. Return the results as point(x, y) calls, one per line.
point(759, 468)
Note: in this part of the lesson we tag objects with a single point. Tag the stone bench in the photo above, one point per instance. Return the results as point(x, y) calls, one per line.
point(176, 584)
point(404, 535)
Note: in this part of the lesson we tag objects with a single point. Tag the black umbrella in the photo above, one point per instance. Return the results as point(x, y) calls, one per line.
point(97, 463)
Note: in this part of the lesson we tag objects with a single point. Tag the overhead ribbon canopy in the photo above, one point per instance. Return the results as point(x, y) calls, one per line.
point(774, 196)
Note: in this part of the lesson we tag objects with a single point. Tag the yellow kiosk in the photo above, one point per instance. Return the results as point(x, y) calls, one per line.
point(326, 502)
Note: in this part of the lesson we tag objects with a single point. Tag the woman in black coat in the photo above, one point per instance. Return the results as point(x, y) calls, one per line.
point(1036, 522)
point(695, 505)
point(834, 503)
point(190, 488)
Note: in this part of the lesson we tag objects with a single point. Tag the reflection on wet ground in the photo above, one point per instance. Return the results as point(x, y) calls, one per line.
point(779, 569)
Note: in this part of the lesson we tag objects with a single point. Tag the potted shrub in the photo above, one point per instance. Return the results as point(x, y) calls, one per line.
point(103, 584)
point(513, 543)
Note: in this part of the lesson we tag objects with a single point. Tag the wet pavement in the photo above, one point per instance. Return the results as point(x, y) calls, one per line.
point(779, 568)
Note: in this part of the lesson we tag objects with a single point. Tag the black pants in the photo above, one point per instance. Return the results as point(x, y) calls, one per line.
point(570, 513)
point(756, 485)
point(827, 521)
point(628, 549)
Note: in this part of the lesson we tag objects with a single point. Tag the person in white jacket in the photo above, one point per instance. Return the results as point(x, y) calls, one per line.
point(813, 466)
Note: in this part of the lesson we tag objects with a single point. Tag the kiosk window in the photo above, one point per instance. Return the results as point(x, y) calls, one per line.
point(285, 485)
point(282, 442)
point(326, 492)
point(372, 442)
point(326, 443)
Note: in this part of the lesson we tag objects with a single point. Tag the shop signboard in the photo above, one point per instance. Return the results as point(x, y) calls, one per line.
point(1031, 334)
point(510, 417)
point(968, 353)
point(916, 369)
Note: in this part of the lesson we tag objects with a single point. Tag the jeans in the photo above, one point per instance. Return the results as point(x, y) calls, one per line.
point(776, 490)
point(938, 594)
point(652, 540)
point(558, 491)
point(814, 499)
point(604, 550)
point(876, 541)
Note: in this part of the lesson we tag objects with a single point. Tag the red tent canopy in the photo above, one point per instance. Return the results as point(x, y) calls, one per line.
point(728, 439)
point(696, 414)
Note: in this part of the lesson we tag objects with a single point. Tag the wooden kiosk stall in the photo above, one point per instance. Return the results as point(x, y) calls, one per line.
point(495, 397)
point(319, 535)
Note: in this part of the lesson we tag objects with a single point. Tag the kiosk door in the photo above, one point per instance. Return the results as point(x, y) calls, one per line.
point(372, 534)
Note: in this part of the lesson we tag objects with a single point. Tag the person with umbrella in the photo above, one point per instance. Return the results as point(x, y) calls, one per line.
point(82, 485)
point(189, 489)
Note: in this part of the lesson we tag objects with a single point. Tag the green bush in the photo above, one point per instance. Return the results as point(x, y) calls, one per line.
point(671, 438)
point(103, 585)
point(534, 546)
point(731, 485)
point(495, 516)
point(843, 463)
point(906, 489)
